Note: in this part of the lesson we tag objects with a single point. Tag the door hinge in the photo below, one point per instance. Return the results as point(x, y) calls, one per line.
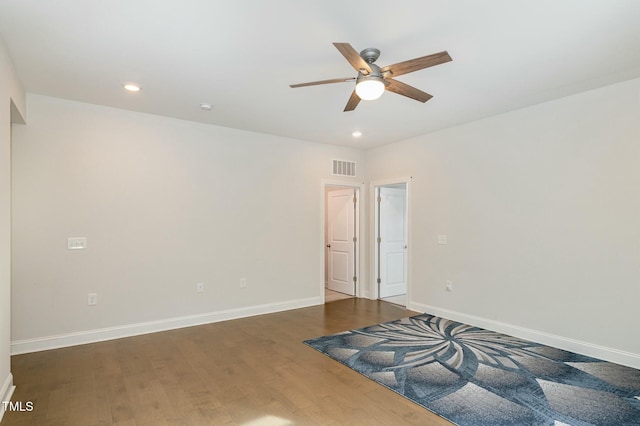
point(379, 280)
point(379, 199)
point(355, 199)
point(355, 279)
point(355, 239)
point(379, 240)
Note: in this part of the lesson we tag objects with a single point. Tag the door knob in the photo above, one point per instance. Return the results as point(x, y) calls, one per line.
point(328, 245)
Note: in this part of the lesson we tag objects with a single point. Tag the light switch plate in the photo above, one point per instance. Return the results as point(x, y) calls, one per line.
point(92, 299)
point(77, 243)
point(442, 239)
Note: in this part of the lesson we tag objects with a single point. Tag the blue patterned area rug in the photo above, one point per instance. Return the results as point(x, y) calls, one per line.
point(473, 376)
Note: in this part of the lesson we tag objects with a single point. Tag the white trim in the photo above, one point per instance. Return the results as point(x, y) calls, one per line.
point(585, 348)
point(99, 335)
point(361, 271)
point(6, 392)
point(373, 285)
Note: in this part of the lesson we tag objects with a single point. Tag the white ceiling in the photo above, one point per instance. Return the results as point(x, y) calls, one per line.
point(241, 56)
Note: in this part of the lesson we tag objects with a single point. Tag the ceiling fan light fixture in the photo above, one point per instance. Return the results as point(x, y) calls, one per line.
point(369, 88)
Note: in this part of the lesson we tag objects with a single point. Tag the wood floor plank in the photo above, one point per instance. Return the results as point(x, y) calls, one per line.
point(229, 373)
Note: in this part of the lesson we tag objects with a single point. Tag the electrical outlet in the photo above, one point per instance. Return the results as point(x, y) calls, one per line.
point(243, 283)
point(199, 287)
point(92, 299)
point(449, 285)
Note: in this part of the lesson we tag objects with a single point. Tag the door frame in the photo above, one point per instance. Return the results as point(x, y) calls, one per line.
point(373, 265)
point(360, 246)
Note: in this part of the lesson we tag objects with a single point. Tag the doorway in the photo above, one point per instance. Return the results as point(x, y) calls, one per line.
point(342, 249)
point(391, 230)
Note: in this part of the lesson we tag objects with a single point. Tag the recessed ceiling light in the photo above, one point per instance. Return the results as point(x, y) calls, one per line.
point(356, 134)
point(131, 87)
point(206, 107)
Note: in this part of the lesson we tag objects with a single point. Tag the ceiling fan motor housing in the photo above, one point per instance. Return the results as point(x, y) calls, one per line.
point(375, 72)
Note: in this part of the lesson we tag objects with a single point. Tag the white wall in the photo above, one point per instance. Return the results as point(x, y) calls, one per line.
point(12, 104)
point(164, 204)
point(541, 207)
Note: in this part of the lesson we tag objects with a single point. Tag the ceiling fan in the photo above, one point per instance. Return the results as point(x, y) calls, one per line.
point(372, 80)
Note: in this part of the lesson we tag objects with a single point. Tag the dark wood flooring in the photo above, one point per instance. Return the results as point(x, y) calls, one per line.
point(251, 371)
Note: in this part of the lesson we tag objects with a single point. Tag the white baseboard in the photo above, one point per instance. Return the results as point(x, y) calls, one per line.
point(99, 335)
point(5, 392)
point(589, 349)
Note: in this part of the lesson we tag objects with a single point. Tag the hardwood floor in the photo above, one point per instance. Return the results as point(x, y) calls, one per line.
point(332, 296)
point(251, 371)
point(396, 300)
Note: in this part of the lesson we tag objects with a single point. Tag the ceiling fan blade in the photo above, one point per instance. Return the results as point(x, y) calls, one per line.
point(315, 83)
point(403, 89)
point(353, 102)
point(353, 57)
point(417, 64)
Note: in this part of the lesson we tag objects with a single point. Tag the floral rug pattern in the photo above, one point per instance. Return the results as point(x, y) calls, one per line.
point(473, 376)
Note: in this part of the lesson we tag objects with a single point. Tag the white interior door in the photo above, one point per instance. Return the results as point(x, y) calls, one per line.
point(341, 213)
point(392, 219)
